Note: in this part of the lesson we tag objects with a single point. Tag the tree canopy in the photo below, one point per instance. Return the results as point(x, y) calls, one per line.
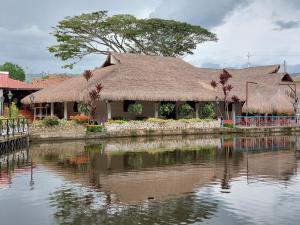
point(99, 33)
point(15, 71)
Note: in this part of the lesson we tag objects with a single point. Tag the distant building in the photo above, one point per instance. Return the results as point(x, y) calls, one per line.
point(49, 80)
point(17, 88)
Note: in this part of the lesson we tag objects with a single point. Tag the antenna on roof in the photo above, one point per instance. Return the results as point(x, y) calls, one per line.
point(248, 56)
point(284, 66)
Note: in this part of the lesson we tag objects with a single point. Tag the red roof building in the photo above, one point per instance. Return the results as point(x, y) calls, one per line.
point(11, 84)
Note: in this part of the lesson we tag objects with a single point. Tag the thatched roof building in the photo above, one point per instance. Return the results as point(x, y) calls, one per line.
point(156, 78)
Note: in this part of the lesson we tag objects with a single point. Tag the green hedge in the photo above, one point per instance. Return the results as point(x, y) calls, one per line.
point(94, 128)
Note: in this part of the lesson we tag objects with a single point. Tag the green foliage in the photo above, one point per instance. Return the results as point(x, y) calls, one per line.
point(135, 109)
point(94, 128)
point(84, 108)
point(207, 111)
point(195, 120)
point(117, 121)
point(14, 111)
point(157, 120)
point(185, 110)
point(228, 125)
point(99, 33)
point(51, 121)
point(166, 109)
point(15, 71)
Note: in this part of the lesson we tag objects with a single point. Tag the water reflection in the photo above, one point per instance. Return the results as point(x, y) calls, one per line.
point(152, 180)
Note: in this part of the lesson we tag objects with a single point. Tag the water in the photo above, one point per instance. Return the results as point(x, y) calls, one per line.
point(171, 180)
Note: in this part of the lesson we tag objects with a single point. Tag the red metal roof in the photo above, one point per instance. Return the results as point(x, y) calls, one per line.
point(8, 83)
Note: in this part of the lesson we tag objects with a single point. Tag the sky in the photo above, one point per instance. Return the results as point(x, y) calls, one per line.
point(267, 30)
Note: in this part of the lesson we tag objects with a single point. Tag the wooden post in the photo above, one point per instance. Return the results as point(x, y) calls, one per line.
point(65, 110)
point(52, 108)
point(108, 110)
point(197, 109)
point(156, 106)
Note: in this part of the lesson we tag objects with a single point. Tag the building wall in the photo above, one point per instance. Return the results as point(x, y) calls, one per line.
point(117, 111)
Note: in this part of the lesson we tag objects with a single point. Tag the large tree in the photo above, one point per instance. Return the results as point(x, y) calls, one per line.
point(15, 71)
point(99, 33)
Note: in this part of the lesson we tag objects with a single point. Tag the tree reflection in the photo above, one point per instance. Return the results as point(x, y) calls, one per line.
point(73, 208)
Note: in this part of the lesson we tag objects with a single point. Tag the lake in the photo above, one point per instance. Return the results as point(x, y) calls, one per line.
point(160, 180)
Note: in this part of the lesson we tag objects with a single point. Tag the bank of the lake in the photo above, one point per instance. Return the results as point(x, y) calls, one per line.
point(72, 131)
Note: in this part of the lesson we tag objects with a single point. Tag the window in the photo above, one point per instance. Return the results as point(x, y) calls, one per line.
point(230, 107)
point(126, 103)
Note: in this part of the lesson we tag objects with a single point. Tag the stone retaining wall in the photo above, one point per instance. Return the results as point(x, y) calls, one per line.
point(76, 132)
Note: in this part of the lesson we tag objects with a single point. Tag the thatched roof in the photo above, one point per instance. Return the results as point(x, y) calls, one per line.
point(134, 77)
point(269, 100)
point(156, 78)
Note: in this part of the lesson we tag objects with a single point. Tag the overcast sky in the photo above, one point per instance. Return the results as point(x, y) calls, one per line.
point(268, 29)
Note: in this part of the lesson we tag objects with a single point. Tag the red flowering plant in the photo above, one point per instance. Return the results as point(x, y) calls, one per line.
point(89, 106)
point(226, 88)
point(80, 119)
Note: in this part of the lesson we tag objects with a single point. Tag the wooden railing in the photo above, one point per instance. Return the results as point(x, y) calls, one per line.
point(12, 127)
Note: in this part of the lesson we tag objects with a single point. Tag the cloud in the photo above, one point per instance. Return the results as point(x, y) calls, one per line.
point(283, 25)
point(204, 13)
point(251, 29)
point(242, 26)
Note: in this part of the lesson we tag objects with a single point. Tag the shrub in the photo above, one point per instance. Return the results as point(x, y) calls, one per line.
point(194, 120)
point(80, 119)
point(228, 125)
point(83, 108)
point(14, 111)
point(51, 121)
point(135, 109)
point(117, 121)
point(157, 120)
point(207, 111)
point(184, 110)
point(166, 109)
point(94, 128)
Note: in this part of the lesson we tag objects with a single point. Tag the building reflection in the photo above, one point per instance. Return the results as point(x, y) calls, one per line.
point(124, 177)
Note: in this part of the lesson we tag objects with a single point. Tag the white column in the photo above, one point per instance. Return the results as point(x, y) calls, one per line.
point(65, 110)
point(156, 105)
point(108, 109)
point(197, 109)
point(233, 113)
point(52, 108)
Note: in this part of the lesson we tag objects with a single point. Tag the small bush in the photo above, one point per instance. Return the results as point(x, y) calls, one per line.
point(194, 120)
point(156, 120)
point(94, 128)
point(207, 111)
point(51, 121)
point(80, 119)
point(135, 109)
point(83, 108)
point(228, 125)
point(117, 121)
point(166, 109)
point(185, 110)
